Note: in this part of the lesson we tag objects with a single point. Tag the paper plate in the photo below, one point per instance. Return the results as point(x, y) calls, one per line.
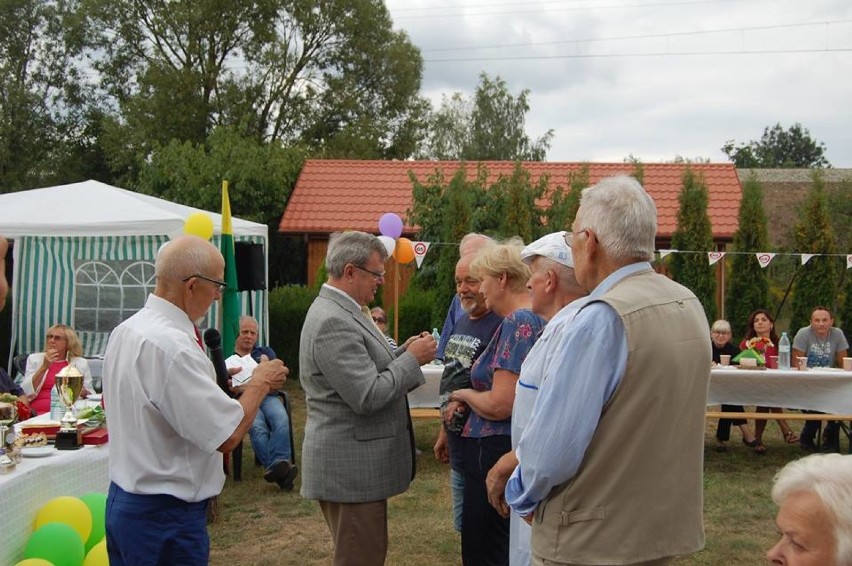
point(37, 451)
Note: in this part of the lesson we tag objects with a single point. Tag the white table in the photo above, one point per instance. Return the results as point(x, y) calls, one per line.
point(426, 396)
point(35, 481)
point(819, 389)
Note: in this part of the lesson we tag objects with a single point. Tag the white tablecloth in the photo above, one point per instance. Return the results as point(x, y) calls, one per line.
point(825, 389)
point(37, 480)
point(426, 396)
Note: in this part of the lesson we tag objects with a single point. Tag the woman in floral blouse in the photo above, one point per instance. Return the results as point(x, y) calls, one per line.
point(487, 433)
point(762, 325)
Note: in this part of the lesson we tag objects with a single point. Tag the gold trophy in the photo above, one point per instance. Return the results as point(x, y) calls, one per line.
point(69, 385)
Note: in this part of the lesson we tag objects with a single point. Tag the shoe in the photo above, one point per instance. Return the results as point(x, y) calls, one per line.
point(287, 482)
point(721, 447)
point(790, 437)
point(808, 445)
point(755, 445)
point(278, 471)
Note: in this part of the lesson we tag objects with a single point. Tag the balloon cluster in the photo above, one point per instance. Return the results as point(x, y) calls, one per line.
point(199, 224)
point(390, 227)
point(69, 531)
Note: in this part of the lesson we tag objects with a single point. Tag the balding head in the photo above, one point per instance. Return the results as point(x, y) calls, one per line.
point(472, 243)
point(188, 269)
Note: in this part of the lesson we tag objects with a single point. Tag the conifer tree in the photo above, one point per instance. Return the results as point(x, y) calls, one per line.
point(816, 282)
point(749, 283)
point(694, 234)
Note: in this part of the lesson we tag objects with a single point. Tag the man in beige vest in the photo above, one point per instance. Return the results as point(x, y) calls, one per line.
point(611, 461)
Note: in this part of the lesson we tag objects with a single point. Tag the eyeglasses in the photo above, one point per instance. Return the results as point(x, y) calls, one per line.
point(220, 284)
point(55, 337)
point(379, 320)
point(720, 332)
point(569, 236)
point(375, 274)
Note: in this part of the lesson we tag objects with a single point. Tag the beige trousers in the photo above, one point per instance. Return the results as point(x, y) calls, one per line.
point(359, 532)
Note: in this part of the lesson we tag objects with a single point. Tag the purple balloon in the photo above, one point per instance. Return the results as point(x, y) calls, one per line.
point(390, 225)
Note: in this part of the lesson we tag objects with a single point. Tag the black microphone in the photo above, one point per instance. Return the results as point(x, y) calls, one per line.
point(213, 340)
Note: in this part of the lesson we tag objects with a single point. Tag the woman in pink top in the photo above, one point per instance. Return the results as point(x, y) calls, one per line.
point(762, 325)
point(62, 348)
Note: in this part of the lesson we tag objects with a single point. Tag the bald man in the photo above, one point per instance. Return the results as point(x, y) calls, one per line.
point(169, 422)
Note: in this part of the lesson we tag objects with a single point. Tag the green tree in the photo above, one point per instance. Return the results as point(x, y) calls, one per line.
point(42, 90)
point(694, 234)
point(491, 127)
point(564, 205)
point(816, 282)
point(749, 287)
point(332, 75)
point(778, 147)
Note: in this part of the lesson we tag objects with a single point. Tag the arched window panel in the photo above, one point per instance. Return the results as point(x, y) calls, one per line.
point(97, 297)
point(137, 282)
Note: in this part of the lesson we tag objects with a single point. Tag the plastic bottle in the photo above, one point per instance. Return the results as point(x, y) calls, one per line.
point(437, 336)
point(57, 409)
point(784, 352)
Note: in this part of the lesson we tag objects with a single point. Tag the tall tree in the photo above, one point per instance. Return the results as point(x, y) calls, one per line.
point(490, 127)
point(749, 287)
point(333, 75)
point(41, 89)
point(694, 234)
point(816, 283)
point(564, 205)
point(778, 147)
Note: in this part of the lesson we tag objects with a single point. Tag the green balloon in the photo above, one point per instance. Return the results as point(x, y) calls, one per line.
point(96, 502)
point(57, 543)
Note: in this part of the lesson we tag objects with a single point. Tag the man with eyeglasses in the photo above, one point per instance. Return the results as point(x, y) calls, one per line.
point(359, 443)
point(169, 422)
point(611, 460)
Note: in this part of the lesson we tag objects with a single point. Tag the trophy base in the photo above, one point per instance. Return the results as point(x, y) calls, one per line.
point(67, 440)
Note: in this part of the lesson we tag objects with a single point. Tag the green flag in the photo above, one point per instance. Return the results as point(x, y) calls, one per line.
point(230, 299)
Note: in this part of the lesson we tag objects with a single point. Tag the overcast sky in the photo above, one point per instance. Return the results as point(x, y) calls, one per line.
point(652, 78)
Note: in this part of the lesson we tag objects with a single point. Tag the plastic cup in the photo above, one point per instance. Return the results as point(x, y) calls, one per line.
point(847, 364)
point(802, 362)
point(772, 362)
point(725, 359)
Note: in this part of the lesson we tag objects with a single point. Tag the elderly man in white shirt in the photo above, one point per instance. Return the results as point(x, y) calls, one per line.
point(556, 296)
point(169, 422)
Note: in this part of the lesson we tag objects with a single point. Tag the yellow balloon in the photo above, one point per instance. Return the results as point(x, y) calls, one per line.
point(69, 510)
point(199, 224)
point(34, 562)
point(97, 556)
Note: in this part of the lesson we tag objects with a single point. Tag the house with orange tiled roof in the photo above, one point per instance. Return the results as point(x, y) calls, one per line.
point(334, 195)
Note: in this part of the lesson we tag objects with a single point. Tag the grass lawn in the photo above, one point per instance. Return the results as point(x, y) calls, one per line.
point(260, 524)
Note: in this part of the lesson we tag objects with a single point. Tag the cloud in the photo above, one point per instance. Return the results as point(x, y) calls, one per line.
point(617, 77)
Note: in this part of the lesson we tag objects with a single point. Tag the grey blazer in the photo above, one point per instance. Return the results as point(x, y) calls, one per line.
point(359, 443)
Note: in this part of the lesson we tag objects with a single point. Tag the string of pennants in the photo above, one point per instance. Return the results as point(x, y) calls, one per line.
point(763, 258)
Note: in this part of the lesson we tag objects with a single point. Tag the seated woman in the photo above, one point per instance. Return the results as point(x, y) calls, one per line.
point(762, 325)
point(814, 496)
point(720, 336)
point(62, 347)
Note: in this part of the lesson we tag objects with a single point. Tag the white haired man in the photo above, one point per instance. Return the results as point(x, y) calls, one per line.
point(597, 488)
point(814, 498)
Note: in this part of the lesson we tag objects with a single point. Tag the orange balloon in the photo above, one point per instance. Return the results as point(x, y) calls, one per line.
point(404, 252)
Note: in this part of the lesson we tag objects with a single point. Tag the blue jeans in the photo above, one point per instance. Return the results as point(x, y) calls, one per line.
point(155, 530)
point(457, 488)
point(270, 432)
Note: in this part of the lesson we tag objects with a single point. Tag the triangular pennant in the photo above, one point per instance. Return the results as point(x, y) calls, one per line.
point(420, 249)
point(713, 257)
point(849, 261)
point(664, 253)
point(807, 257)
point(764, 258)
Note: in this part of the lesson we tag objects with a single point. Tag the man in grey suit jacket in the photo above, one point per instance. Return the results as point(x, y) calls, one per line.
point(359, 443)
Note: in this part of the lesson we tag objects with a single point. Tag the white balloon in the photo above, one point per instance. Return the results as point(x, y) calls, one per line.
point(390, 244)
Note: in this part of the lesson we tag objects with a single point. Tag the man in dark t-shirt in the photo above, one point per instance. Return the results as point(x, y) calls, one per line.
point(469, 337)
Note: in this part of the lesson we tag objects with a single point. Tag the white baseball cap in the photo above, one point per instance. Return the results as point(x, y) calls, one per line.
point(551, 246)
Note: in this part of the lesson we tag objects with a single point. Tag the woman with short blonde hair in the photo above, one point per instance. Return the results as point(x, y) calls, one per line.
point(62, 348)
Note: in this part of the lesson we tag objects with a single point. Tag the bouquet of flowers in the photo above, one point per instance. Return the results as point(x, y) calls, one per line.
point(755, 349)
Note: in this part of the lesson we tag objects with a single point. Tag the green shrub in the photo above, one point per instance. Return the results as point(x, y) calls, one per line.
point(420, 310)
point(288, 306)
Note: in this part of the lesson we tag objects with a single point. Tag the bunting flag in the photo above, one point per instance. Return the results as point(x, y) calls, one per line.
point(230, 299)
point(664, 253)
point(764, 258)
point(420, 249)
point(713, 257)
point(807, 257)
point(849, 261)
